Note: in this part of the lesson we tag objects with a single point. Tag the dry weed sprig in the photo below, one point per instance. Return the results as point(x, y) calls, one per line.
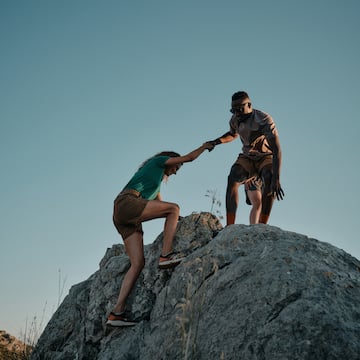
point(32, 331)
point(215, 202)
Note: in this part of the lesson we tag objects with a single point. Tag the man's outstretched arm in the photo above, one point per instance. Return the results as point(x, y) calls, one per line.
point(223, 139)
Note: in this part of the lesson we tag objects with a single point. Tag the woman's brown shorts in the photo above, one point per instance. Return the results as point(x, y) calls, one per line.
point(128, 207)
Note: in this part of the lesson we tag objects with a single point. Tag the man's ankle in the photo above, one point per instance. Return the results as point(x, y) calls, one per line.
point(264, 219)
point(230, 219)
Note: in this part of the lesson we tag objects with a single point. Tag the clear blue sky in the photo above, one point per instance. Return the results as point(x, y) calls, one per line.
point(90, 89)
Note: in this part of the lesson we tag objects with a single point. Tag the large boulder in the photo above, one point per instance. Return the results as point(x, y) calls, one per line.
point(243, 292)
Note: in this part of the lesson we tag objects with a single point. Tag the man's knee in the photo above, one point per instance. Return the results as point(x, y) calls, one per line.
point(234, 180)
point(256, 204)
point(231, 180)
point(232, 186)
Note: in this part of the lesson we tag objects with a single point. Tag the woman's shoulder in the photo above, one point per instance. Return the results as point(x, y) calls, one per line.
point(157, 160)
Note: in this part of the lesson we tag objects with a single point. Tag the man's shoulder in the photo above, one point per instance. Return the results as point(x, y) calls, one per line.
point(262, 117)
point(261, 114)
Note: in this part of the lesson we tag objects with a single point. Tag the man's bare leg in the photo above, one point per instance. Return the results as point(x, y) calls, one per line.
point(267, 197)
point(232, 194)
point(232, 199)
point(255, 199)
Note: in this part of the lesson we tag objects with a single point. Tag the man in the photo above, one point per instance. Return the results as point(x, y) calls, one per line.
point(261, 155)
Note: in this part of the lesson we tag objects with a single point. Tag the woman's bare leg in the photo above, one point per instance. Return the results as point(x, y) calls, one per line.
point(134, 247)
point(155, 209)
point(134, 244)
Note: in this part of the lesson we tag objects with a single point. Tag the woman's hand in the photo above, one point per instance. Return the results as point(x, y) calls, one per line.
point(209, 145)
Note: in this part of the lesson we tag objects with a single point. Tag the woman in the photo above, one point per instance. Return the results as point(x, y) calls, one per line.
point(139, 201)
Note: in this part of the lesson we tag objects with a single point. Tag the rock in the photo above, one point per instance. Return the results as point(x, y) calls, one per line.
point(12, 348)
point(243, 292)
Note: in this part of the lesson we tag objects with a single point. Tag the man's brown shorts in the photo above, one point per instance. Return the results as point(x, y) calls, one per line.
point(253, 164)
point(128, 207)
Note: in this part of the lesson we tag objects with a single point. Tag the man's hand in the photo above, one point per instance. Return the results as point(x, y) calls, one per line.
point(276, 190)
point(209, 145)
point(214, 143)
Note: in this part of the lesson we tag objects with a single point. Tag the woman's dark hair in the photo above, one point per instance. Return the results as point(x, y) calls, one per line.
point(239, 95)
point(168, 153)
point(163, 153)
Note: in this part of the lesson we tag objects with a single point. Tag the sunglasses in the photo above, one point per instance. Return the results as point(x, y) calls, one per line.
point(241, 108)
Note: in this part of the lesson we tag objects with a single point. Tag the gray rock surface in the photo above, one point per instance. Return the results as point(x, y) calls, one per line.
point(248, 292)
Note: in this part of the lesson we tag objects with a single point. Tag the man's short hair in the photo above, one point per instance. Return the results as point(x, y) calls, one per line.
point(239, 96)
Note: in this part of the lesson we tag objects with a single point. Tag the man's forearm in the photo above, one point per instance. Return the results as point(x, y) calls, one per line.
point(227, 137)
point(276, 164)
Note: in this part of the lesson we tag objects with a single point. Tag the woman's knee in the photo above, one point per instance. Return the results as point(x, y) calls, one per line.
point(174, 208)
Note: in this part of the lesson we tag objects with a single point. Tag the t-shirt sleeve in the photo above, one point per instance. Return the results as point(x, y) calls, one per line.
point(161, 160)
point(268, 125)
point(270, 128)
point(232, 124)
